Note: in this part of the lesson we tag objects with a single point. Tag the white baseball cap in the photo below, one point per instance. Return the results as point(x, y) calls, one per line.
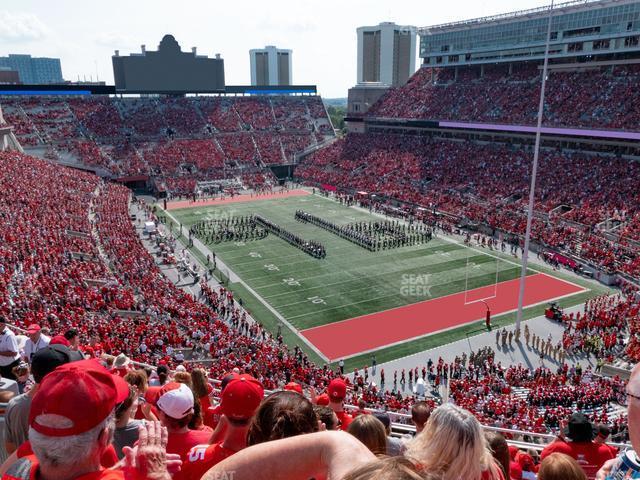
point(175, 400)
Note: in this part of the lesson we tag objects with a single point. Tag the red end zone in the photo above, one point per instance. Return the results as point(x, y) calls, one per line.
point(235, 199)
point(369, 332)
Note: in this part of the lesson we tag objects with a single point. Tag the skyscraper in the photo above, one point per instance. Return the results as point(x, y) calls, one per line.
point(386, 53)
point(270, 66)
point(34, 70)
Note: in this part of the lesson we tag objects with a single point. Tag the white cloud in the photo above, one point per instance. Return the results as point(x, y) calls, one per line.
point(21, 27)
point(115, 40)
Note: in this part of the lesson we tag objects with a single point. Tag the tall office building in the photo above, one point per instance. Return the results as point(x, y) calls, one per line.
point(34, 70)
point(386, 54)
point(386, 58)
point(270, 66)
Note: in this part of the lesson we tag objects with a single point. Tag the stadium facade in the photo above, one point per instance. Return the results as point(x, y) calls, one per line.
point(581, 30)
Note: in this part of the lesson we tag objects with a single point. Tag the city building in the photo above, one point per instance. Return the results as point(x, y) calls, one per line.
point(270, 66)
point(34, 70)
point(386, 58)
point(386, 54)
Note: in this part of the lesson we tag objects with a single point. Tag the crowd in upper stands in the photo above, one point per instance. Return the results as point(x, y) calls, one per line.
point(192, 139)
point(600, 97)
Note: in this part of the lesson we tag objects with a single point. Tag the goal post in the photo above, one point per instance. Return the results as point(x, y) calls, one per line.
point(479, 294)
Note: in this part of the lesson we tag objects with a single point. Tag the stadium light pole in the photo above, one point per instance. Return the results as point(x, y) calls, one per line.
point(534, 174)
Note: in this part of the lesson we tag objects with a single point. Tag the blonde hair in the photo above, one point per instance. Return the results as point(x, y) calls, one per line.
point(183, 377)
point(452, 445)
point(390, 468)
point(371, 432)
point(559, 466)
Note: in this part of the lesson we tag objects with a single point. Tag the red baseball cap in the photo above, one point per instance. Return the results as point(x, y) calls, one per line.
point(337, 389)
point(33, 328)
point(322, 399)
point(241, 397)
point(83, 392)
point(59, 340)
point(293, 387)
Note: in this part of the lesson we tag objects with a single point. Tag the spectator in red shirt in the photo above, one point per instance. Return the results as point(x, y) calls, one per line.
point(590, 455)
point(175, 409)
point(212, 415)
point(337, 391)
point(72, 424)
point(240, 400)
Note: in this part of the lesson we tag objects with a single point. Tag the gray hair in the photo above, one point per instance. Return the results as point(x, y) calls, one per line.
point(71, 450)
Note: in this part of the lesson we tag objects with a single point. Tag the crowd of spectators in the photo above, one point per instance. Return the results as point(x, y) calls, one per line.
point(200, 138)
point(602, 97)
point(74, 272)
point(488, 183)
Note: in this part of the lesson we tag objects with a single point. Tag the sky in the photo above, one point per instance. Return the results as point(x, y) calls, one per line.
point(322, 34)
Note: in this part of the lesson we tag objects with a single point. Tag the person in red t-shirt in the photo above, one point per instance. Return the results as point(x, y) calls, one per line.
point(590, 456)
point(240, 400)
point(337, 391)
point(175, 409)
point(212, 415)
point(73, 411)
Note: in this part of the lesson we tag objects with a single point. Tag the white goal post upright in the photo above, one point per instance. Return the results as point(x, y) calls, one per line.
point(534, 173)
point(466, 284)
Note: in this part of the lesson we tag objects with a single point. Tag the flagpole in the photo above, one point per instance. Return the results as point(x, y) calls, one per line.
point(534, 174)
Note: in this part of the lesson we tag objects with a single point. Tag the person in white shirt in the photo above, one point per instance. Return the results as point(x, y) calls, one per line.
point(9, 354)
point(36, 341)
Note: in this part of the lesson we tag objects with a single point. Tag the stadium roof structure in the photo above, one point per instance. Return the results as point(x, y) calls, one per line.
point(66, 89)
point(517, 15)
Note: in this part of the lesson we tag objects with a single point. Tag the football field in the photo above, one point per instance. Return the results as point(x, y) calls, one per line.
point(355, 301)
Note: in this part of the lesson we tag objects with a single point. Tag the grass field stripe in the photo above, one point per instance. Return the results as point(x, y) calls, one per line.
point(394, 293)
point(350, 252)
point(431, 268)
point(368, 279)
point(368, 264)
point(319, 286)
point(400, 324)
point(264, 302)
point(434, 267)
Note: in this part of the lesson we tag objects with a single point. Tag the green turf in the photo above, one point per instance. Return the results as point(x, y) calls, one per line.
point(352, 281)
